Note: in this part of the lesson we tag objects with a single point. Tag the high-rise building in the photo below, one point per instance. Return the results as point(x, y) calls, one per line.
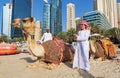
point(70, 23)
point(97, 18)
point(1, 24)
point(46, 16)
point(109, 8)
point(56, 17)
point(21, 9)
point(118, 9)
point(6, 26)
point(37, 30)
point(77, 21)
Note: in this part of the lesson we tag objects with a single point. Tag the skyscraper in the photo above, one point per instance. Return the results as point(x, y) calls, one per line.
point(70, 16)
point(108, 7)
point(21, 9)
point(6, 27)
point(97, 18)
point(37, 30)
point(118, 9)
point(46, 16)
point(77, 22)
point(56, 17)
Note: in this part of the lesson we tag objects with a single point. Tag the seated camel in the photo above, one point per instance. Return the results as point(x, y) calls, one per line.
point(96, 49)
point(53, 51)
point(102, 48)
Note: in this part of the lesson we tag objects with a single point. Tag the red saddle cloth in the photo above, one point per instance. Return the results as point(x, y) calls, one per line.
point(56, 51)
point(110, 51)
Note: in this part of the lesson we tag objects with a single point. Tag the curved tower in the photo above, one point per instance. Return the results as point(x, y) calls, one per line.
point(46, 16)
point(56, 17)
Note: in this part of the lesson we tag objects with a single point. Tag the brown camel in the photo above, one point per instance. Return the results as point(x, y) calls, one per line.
point(102, 48)
point(53, 51)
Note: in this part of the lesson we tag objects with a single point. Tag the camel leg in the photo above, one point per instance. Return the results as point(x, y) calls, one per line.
point(39, 59)
point(52, 66)
point(38, 63)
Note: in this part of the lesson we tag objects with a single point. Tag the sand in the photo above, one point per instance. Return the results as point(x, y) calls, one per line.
point(16, 66)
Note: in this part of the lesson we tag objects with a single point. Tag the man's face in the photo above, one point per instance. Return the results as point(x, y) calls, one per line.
point(82, 26)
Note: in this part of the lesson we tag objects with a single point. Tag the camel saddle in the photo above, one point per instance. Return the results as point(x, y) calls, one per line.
point(57, 51)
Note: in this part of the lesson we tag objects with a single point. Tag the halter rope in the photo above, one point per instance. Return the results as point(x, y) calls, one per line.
point(26, 33)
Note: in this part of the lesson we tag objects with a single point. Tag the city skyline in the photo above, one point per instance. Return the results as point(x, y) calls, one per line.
point(37, 12)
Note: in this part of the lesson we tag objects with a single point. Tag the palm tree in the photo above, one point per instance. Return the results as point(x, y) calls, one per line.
point(70, 34)
point(113, 34)
point(62, 35)
point(3, 39)
point(95, 28)
point(67, 36)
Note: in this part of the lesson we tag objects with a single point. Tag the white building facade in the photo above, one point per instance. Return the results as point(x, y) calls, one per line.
point(6, 24)
point(70, 21)
point(38, 30)
point(118, 9)
point(109, 8)
point(77, 21)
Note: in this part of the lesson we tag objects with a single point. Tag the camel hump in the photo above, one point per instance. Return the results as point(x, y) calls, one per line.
point(52, 52)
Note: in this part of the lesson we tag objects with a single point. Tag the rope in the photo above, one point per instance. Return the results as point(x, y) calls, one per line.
point(60, 47)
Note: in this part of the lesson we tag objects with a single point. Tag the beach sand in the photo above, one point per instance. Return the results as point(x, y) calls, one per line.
point(15, 66)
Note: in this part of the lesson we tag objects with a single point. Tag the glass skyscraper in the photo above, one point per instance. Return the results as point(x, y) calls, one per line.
point(46, 16)
point(21, 9)
point(56, 17)
point(97, 18)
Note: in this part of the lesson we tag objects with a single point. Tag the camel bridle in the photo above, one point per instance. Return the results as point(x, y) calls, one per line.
point(24, 32)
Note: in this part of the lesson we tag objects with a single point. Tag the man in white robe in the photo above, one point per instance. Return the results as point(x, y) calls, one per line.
point(46, 36)
point(81, 57)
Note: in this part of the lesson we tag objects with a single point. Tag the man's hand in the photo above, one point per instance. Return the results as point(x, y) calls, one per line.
point(75, 35)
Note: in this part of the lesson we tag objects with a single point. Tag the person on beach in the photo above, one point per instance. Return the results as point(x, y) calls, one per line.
point(46, 36)
point(81, 57)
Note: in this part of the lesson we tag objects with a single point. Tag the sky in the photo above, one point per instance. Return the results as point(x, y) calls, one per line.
point(81, 7)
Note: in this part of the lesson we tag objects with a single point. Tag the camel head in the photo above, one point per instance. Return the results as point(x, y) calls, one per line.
point(18, 22)
point(26, 24)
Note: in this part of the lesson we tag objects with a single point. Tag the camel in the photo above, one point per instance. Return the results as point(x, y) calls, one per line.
point(27, 26)
point(96, 50)
point(102, 48)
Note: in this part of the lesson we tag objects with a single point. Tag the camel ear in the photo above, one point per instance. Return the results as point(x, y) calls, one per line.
point(30, 19)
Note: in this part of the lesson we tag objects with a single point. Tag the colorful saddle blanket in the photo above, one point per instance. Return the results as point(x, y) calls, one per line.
point(57, 51)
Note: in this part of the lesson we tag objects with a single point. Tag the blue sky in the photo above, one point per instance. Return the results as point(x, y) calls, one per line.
point(81, 7)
